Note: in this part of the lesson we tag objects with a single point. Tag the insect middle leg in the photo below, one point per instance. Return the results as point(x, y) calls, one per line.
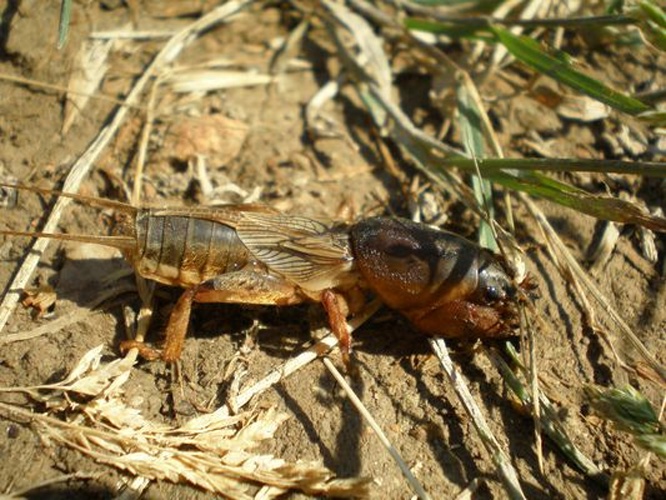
point(337, 309)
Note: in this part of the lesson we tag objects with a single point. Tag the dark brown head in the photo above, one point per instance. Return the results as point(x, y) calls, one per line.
point(445, 284)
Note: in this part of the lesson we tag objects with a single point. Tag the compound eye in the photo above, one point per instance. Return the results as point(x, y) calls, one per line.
point(494, 294)
point(500, 292)
point(494, 284)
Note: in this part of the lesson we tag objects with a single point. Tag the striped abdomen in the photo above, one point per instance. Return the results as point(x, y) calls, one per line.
point(183, 250)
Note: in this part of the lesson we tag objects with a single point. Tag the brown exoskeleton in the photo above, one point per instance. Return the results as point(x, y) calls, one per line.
point(444, 284)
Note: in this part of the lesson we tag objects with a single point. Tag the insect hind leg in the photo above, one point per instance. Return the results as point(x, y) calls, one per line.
point(247, 286)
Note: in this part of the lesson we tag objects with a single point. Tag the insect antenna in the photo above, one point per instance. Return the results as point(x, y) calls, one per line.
point(93, 201)
point(119, 242)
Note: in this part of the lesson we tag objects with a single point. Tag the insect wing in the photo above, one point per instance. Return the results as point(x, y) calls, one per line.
point(311, 253)
point(229, 215)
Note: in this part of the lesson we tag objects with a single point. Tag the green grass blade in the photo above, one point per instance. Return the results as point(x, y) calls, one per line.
point(469, 119)
point(451, 29)
point(459, 26)
point(599, 206)
point(435, 157)
point(550, 420)
point(653, 23)
point(528, 51)
point(653, 13)
point(63, 26)
point(627, 408)
point(645, 168)
point(537, 184)
point(655, 443)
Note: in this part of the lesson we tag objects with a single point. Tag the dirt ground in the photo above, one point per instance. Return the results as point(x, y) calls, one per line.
point(266, 149)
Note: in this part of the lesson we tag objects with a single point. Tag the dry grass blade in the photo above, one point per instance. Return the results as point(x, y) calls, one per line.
point(49, 86)
point(32, 491)
point(551, 423)
point(532, 9)
point(413, 482)
point(601, 253)
point(90, 67)
point(318, 124)
point(371, 56)
point(123, 34)
point(420, 146)
point(505, 469)
point(289, 50)
point(581, 276)
point(320, 348)
point(213, 452)
point(197, 80)
point(131, 489)
point(89, 377)
point(231, 475)
point(406, 82)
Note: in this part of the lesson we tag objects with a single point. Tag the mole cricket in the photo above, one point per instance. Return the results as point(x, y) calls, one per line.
point(444, 284)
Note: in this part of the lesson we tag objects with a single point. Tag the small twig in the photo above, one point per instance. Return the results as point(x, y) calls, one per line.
point(417, 487)
point(292, 365)
point(131, 35)
point(146, 289)
point(534, 386)
point(143, 144)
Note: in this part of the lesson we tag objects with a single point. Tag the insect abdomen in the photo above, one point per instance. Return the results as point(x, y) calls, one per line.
point(185, 251)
